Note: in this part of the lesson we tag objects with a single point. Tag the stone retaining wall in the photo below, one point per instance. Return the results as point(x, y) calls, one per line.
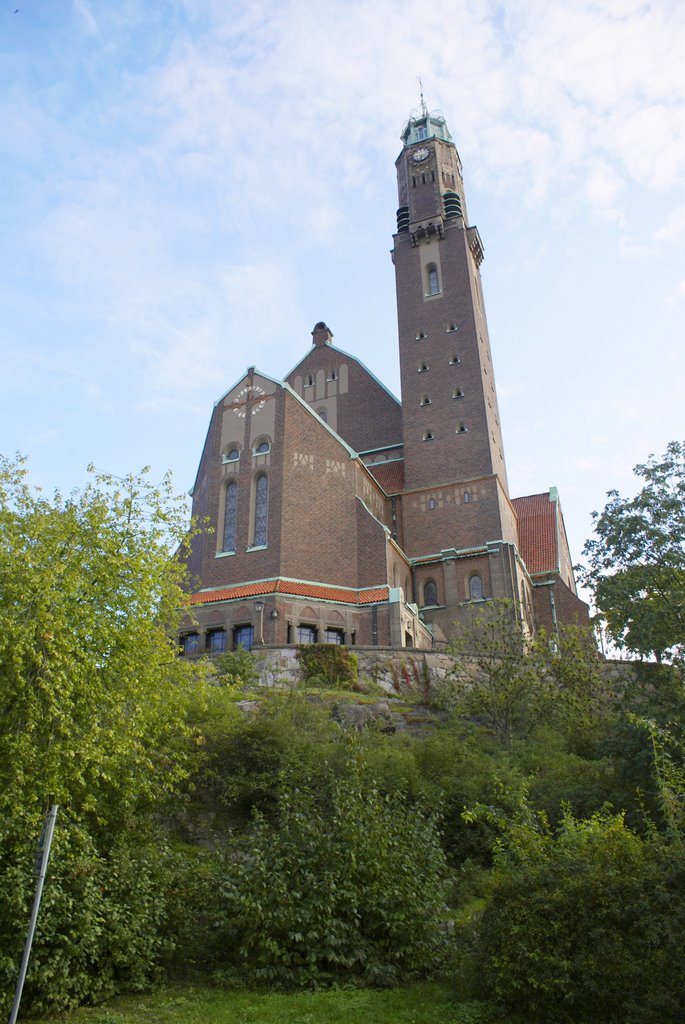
point(408, 671)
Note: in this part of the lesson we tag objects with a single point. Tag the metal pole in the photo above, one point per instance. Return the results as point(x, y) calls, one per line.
point(39, 871)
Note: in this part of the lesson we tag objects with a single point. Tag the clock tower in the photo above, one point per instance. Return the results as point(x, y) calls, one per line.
point(450, 420)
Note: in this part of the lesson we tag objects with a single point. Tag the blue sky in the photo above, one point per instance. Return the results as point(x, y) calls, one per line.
point(187, 187)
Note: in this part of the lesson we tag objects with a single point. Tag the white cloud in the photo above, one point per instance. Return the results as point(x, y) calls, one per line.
point(673, 228)
point(82, 8)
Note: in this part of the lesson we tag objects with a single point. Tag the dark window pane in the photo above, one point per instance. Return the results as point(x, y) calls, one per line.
point(190, 642)
point(476, 588)
point(242, 637)
point(216, 640)
point(261, 504)
point(230, 516)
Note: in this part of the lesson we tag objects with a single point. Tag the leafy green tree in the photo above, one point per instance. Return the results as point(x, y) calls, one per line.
point(496, 678)
point(93, 717)
point(637, 560)
point(92, 690)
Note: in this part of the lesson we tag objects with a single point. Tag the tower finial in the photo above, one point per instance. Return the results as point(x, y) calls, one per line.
point(424, 108)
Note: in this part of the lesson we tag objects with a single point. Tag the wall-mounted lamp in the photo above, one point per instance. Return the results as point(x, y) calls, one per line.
point(259, 608)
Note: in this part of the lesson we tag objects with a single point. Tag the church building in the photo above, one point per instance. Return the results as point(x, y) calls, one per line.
point(341, 515)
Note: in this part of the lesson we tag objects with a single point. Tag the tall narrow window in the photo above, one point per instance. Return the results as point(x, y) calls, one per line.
point(430, 593)
point(243, 637)
point(230, 516)
point(216, 641)
point(261, 505)
point(476, 588)
point(433, 283)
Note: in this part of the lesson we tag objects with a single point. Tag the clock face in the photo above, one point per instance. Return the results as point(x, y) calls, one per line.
point(420, 154)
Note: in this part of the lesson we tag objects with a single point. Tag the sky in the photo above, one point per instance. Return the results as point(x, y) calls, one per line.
point(188, 186)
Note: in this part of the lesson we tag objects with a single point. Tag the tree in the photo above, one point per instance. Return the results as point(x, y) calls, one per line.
point(637, 560)
point(92, 690)
point(496, 676)
point(93, 717)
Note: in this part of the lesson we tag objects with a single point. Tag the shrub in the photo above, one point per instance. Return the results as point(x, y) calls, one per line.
point(348, 886)
point(585, 927)
point(100, 925)
point(329, 664)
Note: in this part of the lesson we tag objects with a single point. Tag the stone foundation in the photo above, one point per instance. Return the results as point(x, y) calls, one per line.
point(408, 672)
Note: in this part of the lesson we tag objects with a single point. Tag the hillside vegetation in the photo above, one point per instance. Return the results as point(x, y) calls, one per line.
point(526, 850)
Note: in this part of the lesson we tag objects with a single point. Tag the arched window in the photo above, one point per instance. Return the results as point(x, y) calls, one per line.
point(262, 446)
point(475, 588)
point(430, 593)
point(260, 509)
point(432, 279)
point(457, 393)
point(309, 381)
point(425, 400)
point(231, 453)
point(467, 497)
point(230, 516)
point(323, 414)
point(428, 435)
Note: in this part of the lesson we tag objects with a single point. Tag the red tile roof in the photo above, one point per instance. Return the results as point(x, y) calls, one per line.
point(390, 475)
point(344, 595)
point(537, 517)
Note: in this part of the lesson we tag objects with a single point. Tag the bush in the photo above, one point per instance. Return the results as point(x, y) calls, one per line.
point(330, 665)
point(348, 886)
point(100, 928)
point(585, 927)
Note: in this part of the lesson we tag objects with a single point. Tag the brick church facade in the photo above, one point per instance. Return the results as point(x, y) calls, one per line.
point(339, 514)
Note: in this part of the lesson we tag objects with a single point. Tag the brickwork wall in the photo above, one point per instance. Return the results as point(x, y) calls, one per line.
point(439, 517)
point(456, 361)
point(570, 610)
point(318, 519)
point(359, 409)
point(370, 549)
point(237, 420)
point(355, 621)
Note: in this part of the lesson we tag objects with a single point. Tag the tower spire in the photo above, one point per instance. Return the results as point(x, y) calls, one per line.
point(424, 108)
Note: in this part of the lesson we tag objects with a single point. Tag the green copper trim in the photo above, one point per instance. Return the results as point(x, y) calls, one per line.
point(425, 126)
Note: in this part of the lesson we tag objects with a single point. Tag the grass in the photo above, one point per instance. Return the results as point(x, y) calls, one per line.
point(416, 1004)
